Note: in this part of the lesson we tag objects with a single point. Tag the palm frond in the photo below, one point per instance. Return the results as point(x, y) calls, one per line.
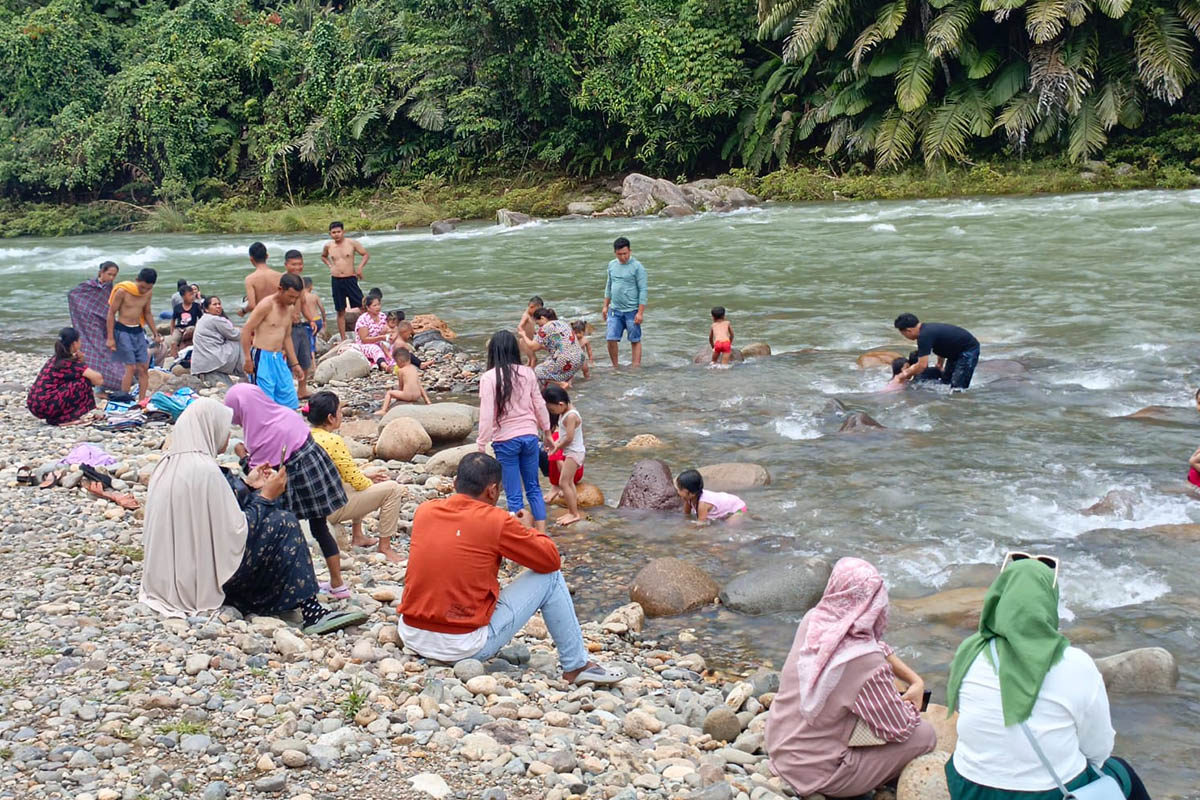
point(947, 28)
point(1086, 132)
point(774, 16)
point(983, 65)
point(894, 139)
point(1019, 117)
point(1114, 8)
point(976, 106)
point(427, 114)
point(1059, 75)
point(1044, 19)
point(1010, 80)
point(946, 134)
point(1189, 12)
point(1077, 11)
point(1164, 55)
point(914, 79)
point(891, 17)
point(861, 140)
point(886, 61)
point(811, 28)
point(362, 119)
point(1046, 129)
point(1000, 5)
point(866, 40)
point(838, 132)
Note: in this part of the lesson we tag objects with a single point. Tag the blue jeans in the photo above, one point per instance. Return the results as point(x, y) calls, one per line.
point(529, 593)
point(519, 461)
point(958, 371)
point(619, 322)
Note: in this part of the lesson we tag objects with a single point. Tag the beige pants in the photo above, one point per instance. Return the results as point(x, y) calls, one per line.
point(382, 497)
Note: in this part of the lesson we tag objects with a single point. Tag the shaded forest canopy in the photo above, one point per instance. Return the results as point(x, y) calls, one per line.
point(200, 99)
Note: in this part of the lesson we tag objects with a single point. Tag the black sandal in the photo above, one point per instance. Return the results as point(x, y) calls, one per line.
point(93, 474)
point(25, 475)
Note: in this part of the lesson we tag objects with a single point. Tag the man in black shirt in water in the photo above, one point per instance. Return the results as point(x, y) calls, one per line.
point(957, 350)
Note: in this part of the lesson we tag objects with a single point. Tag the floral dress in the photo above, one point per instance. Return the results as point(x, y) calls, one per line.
point(374, 326)
point(61, 394)
point(565, 354)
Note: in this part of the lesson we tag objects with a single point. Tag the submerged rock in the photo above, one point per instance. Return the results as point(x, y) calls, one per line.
point(756, 350)
point(957, 607)
point(442, 226)
point(1147, 669)
point(643, 441)
point(669, 586)
point(588, 496)
point(878, 358)
point(511, 219)
point(1164, 415)
point(1000, 367)
point(1117, 503)
point(858, 422)
point(705, 356)
point(793, 585)
point(734, 476)
point(651, 487)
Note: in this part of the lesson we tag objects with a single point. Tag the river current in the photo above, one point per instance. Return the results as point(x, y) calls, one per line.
point(1091, 293)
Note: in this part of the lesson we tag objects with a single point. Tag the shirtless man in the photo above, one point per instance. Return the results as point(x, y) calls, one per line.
point(303, 325)
point(339, 256)
point(128, 311)
point(262, 282)
point(408, 382)
point(527, 327)
point(267, 349)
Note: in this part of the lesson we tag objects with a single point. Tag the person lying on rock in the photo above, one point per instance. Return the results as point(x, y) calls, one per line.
point(453, 608)
point(1018, 681)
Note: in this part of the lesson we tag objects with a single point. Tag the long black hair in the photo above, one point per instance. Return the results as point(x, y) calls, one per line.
point(504, 356)
point(555, 394)
point(62, 347)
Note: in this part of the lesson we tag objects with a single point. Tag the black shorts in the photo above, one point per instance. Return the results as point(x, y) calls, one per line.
point(345, 290)
point(302, 345)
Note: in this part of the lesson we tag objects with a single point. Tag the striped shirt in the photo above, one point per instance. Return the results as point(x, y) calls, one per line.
point(879, 704)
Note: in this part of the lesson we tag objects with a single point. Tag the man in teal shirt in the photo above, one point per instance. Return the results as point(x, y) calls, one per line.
point(624, 301)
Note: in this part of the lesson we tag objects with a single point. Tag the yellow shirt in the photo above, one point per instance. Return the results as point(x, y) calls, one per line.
point(335, 446)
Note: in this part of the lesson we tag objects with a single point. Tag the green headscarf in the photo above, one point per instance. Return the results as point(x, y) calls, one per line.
point(1021, 612)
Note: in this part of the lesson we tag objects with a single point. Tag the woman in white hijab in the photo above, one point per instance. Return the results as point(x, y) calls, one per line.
point(211, 540)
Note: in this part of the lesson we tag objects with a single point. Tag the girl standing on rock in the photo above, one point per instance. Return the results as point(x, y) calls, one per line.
point(212, 539)
point(566, 419)
point(314, 488)
point(512, 414)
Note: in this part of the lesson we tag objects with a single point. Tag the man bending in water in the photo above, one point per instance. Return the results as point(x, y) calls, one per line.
point(339, 255)
point(269, 355)
point(128, 311)
point(957, 350)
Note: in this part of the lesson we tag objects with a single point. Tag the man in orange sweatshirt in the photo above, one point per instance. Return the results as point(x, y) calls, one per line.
point(453, 607)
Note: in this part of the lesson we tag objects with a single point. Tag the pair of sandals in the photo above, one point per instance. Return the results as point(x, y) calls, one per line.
point(334, 621)
point(43, 478)
point(100, 484)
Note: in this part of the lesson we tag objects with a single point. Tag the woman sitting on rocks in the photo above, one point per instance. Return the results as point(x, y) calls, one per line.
point(367, 494)
point(837, 692)
point(1018, 681)
point(558, 340)
point(212, 539)
point(373, 334)
point(216, 344)
point(63, 391)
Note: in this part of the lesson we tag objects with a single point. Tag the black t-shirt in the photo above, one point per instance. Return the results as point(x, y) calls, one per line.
point(186, 317)
point(946, 341)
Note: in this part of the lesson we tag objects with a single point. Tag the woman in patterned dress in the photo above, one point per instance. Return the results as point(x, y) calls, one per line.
point(212, 539)
point(62, 392)
point(558, 340)
point(372, 332)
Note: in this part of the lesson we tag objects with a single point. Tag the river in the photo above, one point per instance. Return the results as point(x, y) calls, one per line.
point(1089, 292)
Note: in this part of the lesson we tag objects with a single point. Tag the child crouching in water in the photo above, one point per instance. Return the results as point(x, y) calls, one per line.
point(579, 328)
point(408, 382)
point(570, 442)
point(707, 505)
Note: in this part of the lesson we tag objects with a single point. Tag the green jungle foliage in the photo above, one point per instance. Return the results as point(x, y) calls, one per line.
point(197, 101)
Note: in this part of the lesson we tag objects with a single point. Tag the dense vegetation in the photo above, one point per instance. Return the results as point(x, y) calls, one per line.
point(197, 100)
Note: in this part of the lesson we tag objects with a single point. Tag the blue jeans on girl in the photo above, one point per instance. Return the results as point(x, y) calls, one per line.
point(519, 461)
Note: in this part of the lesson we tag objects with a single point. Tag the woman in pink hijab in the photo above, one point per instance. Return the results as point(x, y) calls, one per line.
point(838, 726)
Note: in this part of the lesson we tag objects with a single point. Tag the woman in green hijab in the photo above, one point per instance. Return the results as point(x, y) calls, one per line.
point(1042, 681)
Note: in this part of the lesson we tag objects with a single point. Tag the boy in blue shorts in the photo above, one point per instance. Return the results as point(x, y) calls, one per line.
point(269, 354)
point(624, 301)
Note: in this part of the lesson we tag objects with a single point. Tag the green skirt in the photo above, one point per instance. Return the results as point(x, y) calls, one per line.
point(963, 789)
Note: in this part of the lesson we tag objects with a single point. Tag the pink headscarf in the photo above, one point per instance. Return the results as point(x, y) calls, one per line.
point(848, 622)
point(268, 426)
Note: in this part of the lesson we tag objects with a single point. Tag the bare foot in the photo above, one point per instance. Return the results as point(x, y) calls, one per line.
point(552, 496)
point(363, 541)
point(391, 555)
point(568, 519)
point(379, 413)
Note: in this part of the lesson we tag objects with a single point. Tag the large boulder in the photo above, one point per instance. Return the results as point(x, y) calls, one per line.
point(444, 422)
point(925, 778)
point(651, 487)
point(588, 496)
point(443, 226)
point(345, 366)
point(878, 358)
point(756, 350)
point(581, 207)
point(401, 439)
point(511, 219)
point(675, 211)
point(362, 428)
point(1147, 669)
point(859, 422)
point(733, 197)
point(734, 477)
point(793, 585)
point(431, 322)
point(445, 462)
point(1117, 503)
point(704, 356)
point(944, 725)
point(669, 586)
point(662, 190)
point(957, 607)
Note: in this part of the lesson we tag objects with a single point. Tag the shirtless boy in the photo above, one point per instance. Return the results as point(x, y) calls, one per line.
point(128, 311)
point(529, 328)
point(267, 347)
point(303, 326)
point(408, 382)
point(339, 255)
point(720, 336)
point(262, 282)
point(313, 309)
point(404, 337)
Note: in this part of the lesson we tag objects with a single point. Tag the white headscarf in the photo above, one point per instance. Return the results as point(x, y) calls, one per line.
point(195, 532)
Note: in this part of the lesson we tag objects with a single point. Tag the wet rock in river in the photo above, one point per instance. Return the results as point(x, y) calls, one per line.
point(705, 356)
point(644, 441)
point(957, 607)
point(443, 226)
point(1164, 415)
point(756, 350)
point(588, 496)
point(650, 487)
point(733, 477)
point(1118, 503)
point(878, 358)
point(859, 422)
point(669, 586)
point(1147, 669)
point(792, 585)
point(511, 219)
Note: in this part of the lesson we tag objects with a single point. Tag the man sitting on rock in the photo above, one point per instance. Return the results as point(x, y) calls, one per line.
point(453, 608)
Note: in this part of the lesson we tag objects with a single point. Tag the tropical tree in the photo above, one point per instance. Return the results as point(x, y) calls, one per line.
point(939, 76)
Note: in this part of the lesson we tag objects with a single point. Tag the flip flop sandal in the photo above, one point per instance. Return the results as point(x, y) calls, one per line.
point(334, 621)
point(25, 475)
point(52, 479)
point(341, 593)
point(93, 474)
point(602, 676)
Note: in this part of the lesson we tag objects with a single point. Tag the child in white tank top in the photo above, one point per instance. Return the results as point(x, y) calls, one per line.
point(570, 442)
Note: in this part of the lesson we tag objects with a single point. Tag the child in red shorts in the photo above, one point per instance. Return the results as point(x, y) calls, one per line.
point(720, 336)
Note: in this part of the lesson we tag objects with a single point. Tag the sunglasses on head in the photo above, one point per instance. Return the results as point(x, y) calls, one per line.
point(1049, 561)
